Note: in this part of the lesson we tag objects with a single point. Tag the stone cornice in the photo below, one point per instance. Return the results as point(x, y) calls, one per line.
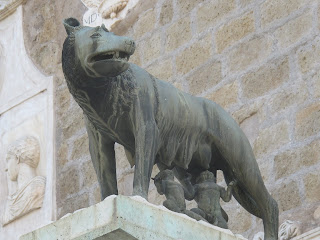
point(10, 8)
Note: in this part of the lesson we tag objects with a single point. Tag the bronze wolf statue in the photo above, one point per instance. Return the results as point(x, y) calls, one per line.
point(155, 122)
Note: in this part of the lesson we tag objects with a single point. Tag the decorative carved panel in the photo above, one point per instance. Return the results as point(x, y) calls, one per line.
point(22, 159)
point(26, 112)
point(107, 12)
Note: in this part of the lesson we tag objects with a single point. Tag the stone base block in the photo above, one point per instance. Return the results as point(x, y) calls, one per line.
point(128, 218)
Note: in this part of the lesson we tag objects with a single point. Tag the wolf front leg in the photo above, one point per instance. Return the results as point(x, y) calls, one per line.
point(146, 135)
point(145, 151)
point(103, 158)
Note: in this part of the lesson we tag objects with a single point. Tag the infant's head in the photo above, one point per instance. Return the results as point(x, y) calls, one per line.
point(204, 176)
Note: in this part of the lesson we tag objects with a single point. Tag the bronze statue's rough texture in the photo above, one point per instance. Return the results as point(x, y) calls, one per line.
point(175, 194)
point(207, 195)
point(156, 123)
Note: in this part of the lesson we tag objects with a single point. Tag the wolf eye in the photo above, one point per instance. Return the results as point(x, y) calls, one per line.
point(96, 35)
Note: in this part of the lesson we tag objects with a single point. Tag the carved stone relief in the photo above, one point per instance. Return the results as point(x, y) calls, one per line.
point(109, 9)
point(27, 197)
point(107, 12)
point(289, 230)
point(22, 159)
point(7, 7)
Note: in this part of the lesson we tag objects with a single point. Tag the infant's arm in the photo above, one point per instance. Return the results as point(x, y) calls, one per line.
point(226, 195)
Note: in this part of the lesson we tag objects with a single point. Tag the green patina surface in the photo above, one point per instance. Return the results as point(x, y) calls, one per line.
point(156, 123)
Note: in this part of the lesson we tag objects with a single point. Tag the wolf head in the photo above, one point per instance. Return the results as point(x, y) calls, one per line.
point(101, 53)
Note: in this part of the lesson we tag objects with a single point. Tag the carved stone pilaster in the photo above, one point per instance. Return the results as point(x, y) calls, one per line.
point(8, 7)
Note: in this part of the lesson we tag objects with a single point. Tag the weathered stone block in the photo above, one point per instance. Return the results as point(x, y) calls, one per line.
point(162, 69)
point(265, 167)
point(226, 95)
point(72, 204)
point(316, 80)
point(244, 3)
point(235, 213)
point(152, 48)
point(293, 31)
point(185, 7)
point(204, 78)
point(272, 10)
point(155, 198)
point(62, 155)
point(68, 183)
point(308, 121)
point(71, 122)
point(250, 53)
point(287, 196)
point(247, 111)
point(145, 24)
point(210, 13)
point(194, 55)
point(88, 173)
point(58, 79)
point(271, 138)
point(250, 127)
point(294, 160)
point(35, 31)
point(97, 194)
point(80, 147)
point(308, 58)
point(235, 30)
point(125, 184)
point(311, 184)
point(136, 57)
point(319, 16)
point(46, 55)
point(179, 85)
point(288, 97)
point(178, 34)
point(166, 13)
point(266, 78)
point(62, 99)
point(122, 162)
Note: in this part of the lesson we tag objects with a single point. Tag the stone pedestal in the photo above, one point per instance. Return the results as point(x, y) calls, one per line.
point(120, 217)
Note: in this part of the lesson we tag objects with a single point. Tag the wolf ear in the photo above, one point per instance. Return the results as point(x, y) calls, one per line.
point(71, 25)
point(104, 28)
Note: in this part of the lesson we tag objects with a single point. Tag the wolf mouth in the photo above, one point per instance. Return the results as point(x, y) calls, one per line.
point(112, 55)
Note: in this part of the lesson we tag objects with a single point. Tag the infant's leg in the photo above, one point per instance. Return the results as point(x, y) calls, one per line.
point(194, 215)
point(171, 205)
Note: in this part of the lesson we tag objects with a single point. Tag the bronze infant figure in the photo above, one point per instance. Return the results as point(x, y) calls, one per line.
point(156, 123)
point(175, 194)
point(207, 196)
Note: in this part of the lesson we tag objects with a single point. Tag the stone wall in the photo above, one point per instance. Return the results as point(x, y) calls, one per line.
point(256, 58)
